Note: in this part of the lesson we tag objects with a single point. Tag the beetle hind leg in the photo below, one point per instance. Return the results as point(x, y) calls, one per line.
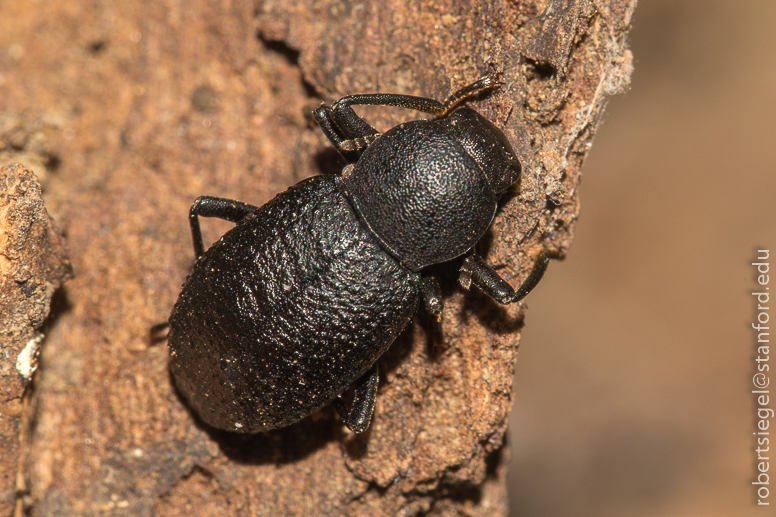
point(359, 416)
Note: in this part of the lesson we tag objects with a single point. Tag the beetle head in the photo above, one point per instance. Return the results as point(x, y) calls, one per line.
point(487, 145)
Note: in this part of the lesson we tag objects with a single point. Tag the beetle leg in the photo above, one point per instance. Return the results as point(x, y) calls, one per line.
point(346, 119)
point(351, 134)
point(475, 271)
point(360, 414)
point(351, 140)
point(209, 206)
point(432, 295)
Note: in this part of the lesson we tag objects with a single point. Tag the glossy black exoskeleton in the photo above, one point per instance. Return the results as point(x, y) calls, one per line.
point(297, 302)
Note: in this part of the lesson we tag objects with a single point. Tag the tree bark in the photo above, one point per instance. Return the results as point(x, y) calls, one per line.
point(143, 106)
point(33, 264)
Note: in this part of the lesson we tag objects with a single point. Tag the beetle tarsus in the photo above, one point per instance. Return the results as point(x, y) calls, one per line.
point(482, 84)
point(540, 266)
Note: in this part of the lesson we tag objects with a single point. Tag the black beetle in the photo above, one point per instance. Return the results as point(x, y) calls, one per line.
point(297, 302)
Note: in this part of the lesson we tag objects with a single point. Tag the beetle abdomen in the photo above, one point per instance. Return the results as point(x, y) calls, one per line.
point(286, 311)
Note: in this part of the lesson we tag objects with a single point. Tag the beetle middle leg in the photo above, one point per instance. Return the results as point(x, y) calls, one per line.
point(475, 271)
point(359, 416)
point(209, 206)
point(351, 134)
point(432, 295)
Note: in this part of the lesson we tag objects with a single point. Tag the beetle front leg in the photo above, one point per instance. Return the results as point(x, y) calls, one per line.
point(350, 134)
point(209, 206)
point(343, 116)
point(359, 416)
point(475, 271)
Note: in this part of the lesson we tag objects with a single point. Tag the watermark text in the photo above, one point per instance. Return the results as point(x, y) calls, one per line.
point(761, 379)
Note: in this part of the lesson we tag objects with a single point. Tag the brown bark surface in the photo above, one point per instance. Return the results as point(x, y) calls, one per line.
point(142, 106)
point(33, 263)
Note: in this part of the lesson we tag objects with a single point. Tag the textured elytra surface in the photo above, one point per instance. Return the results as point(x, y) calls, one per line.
point(143, 106)
point(285, 311)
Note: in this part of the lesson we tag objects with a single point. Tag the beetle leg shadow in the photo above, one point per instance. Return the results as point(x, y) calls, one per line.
point(490, 314)
point(329, 161)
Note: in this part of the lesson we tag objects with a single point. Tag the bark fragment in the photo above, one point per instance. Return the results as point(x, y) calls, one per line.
point(33, 264)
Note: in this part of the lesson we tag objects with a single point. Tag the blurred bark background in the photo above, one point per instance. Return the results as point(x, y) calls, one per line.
point(633, 386)
point(127, 112)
